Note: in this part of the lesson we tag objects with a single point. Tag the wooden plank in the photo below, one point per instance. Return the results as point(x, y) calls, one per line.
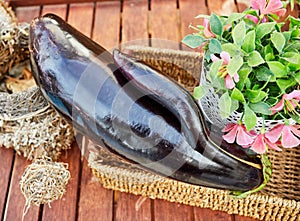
point(81, 17)
point(208, 214)
point(167, 211)
point(59, 10)
point(18, 3)
point(95, 201)
point(164, 24)
point(6, 159)
point(221, 7)
point(107, 24)
point(16, 202)
point(135, 22)
point(132, 207)
point(243, 218)
point(65, 208)
point(27, 14)
point(243, 4)
point(189, 9)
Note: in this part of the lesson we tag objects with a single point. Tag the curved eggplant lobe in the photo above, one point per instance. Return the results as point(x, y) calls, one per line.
point(168, 93)
point(80, 79)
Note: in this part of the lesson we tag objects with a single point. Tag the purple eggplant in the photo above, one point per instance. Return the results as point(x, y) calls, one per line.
point(161, 133)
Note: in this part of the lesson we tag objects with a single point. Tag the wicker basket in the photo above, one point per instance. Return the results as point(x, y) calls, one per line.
point(280, 200)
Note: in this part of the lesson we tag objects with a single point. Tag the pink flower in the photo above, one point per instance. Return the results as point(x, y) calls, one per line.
point(289, 135)
point(253, 18)
point(207, 31)
point(229, 81)
point(290, 100)
point(239, 133)
point(261, 143)
point(270, 7)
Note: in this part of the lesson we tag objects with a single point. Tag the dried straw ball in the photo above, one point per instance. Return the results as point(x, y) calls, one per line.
point(30, 126)
point(13, 39)
point(44, 181)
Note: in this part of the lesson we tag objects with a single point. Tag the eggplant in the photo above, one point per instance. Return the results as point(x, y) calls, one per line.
point(161, 133)
point(181, 103)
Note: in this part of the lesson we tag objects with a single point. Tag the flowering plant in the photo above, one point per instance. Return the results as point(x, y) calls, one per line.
point(254, 66)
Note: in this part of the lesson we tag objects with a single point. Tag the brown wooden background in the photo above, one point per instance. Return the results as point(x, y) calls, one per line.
point(109, 23)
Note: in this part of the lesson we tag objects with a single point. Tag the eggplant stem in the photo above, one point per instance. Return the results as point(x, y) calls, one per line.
point(267, 173)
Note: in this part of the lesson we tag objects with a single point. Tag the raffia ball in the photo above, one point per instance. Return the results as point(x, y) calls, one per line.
point(44, 181)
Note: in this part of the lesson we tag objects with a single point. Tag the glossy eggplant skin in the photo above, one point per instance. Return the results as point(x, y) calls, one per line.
point(82, 82)
point(180, 102)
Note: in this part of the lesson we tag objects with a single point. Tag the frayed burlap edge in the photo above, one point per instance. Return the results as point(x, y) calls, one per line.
point(125, 178)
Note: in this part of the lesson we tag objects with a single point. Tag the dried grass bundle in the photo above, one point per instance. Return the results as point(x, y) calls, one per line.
point(44, 181)
point(13, 39)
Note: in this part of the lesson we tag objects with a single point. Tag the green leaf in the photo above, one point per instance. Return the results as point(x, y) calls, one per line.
point(249, 42)
point(234, 105)
point(215, 46)
point(295, 22)
point(254, 59)
point(238, 95)
point(243, 73)
point(239, 33)
point(261, 108)
point(232, 49)
point(292, 57)
point(278, 69)
point(214, 70)
point(225, 105)
point(193, 41)
point(284, 84)
point(264, 29)
point(250, 118)
point(199, 92)
point(255, 96)
point(234, 65)
point(234, 17)
point(264, 74)
point(216, 25)
point(297, 77)
point(269, 53)
point(296, 118)
point(278, 41)
point(247, 83)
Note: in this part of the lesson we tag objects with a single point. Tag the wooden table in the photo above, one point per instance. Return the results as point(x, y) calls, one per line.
point(110, 23)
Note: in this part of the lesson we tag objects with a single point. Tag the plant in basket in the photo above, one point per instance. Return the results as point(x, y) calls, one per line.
point(252, 64)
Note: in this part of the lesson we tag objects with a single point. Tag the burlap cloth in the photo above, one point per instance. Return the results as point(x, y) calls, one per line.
point(280, 200)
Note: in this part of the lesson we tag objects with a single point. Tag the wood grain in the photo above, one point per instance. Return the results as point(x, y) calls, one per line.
point(208, 214)
point(221, 7)
point(81, 17)
point(135, 22)
point(95, 201)
point(18, 3)
point(6, 159)
point(107, 24)
point(167, 211)
point(243, 218)
point(189, 9)
point(132, 207)
point(59, 10)
point(16, 202)
point(27, 14)
point(243, 4)
point(164, 24)
point(65, 208)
